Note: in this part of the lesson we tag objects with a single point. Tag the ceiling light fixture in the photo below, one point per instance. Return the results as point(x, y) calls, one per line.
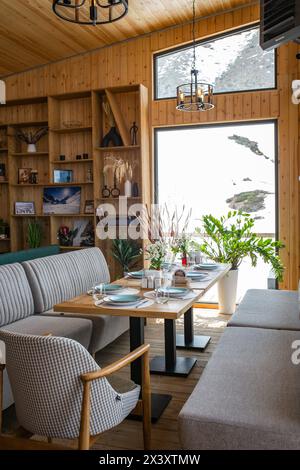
point(194, 96)
point(90, 12)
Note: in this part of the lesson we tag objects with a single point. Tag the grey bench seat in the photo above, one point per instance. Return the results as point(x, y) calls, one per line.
point(62, 277)
point(77, 329)
point(248, 394)
point(274, 309)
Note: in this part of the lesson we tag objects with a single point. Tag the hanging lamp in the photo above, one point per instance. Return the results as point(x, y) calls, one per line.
point(195, 95)
point(90, 12)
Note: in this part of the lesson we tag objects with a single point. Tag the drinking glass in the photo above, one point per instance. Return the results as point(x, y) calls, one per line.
point(98, 291)
point(161, 296)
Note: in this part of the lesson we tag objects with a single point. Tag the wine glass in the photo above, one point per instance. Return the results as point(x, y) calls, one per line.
point(98, 291)
point(161, 295)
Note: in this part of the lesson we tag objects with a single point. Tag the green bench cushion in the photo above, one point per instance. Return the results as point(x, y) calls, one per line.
point(26, 255)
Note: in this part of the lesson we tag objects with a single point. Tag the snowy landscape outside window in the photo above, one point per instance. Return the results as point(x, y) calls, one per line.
point(232, 63)
point(217, 168)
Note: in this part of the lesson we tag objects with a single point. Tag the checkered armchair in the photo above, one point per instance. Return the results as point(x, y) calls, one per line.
point(61, 392)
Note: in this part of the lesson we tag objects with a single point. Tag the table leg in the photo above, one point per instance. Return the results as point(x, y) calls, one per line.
point(189, 340)
point(170, 364)
point(158, 401)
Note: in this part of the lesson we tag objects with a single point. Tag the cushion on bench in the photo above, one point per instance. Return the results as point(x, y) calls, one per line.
point(16, 301)
point(25, 255)
point(275, 309)
point(106, 328)
point(248, 395)
point(61, 277)
point(78, 329)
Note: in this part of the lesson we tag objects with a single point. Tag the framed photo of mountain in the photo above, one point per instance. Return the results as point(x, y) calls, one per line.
point(62, 200)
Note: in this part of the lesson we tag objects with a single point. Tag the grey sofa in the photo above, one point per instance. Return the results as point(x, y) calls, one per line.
point(248, 395)
point(28, 292)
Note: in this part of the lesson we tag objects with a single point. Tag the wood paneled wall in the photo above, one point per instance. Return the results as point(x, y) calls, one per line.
point(131, 63)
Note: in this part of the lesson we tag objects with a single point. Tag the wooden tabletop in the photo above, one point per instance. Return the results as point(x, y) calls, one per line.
point(84, 304)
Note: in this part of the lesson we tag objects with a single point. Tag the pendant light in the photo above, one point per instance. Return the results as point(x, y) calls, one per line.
point(90, 12)
point(196, 95)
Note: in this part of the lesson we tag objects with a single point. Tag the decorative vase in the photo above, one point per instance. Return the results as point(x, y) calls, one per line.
point(128, 188)
point(112, 138)
point(184, 259)
point(31, 148)
point(227, 289)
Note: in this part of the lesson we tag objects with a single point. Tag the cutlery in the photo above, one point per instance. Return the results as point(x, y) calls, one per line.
point(142, 302)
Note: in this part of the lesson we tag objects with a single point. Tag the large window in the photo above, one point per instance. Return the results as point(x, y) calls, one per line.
point(234, 62)
point(214, 169)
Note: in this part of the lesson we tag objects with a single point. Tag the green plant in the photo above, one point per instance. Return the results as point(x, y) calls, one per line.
point(126, 252)
point(230, 239)
point(34, 234)
point(66, 236)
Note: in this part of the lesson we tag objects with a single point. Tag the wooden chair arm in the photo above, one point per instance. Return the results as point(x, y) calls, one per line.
point(108, 370)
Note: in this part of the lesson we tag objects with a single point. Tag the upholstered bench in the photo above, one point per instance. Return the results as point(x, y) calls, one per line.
point(275, 309)
point(247, 396)
point(62, 277)
point(17, 314)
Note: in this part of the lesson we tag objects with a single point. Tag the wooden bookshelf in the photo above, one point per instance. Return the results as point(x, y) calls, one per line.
point(77, 124)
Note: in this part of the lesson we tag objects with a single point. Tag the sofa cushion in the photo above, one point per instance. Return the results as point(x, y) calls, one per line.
point(26, 255)
point(62, 277)
point(74, 328)
point(16, 300)
point(275, 309)
point(248, 395)
point(106, 328)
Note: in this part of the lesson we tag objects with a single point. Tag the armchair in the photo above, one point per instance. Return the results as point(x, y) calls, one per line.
point(61, 392)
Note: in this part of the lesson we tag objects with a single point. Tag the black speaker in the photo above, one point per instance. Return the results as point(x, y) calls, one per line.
point(279, 22)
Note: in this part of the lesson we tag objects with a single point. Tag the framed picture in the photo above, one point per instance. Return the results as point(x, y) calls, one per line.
point(63, 176)
point(24, 175)
point(84, 233)
point(62, 200)
point(89, 206)
point(24, 208)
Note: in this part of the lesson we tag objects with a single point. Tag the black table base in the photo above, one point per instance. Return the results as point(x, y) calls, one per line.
point(170, 364)
point(159, 401)
point(188, 340)
point(181, 368)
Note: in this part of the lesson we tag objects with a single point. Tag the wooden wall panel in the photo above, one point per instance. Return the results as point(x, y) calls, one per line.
point(131, 63)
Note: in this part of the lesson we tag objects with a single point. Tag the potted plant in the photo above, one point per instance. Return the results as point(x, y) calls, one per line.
point(126, 252)
point(31, 138)
point(230, 239)
point(34, 234)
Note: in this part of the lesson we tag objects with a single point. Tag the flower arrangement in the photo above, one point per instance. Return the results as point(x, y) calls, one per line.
point(182, 245)
point(156, 253)
point(163, 228)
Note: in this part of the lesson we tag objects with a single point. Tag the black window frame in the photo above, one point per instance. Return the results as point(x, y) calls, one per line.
point(205, 41)
point(223, 124)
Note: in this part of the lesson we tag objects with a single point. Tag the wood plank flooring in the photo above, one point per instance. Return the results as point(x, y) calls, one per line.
point(128, 435)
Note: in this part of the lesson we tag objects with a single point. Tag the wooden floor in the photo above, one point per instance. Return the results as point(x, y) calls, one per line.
point(128, 435)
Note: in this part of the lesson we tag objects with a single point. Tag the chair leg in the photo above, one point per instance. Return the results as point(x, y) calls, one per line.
point(84, 436)
point(146, 397)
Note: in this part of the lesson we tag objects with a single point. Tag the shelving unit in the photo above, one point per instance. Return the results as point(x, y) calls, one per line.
point(4, 187)
point(77, 124)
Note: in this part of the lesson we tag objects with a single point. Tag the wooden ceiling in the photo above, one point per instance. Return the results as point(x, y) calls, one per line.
point(31, 35)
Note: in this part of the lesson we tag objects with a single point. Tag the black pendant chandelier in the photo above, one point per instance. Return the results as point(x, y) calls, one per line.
point(196, 95)
point(90, 12)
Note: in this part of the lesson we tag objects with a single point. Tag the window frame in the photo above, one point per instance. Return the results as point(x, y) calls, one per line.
point(223, 124)
point(205, 41)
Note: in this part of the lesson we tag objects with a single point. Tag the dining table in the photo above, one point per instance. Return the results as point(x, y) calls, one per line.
point(169, 312)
